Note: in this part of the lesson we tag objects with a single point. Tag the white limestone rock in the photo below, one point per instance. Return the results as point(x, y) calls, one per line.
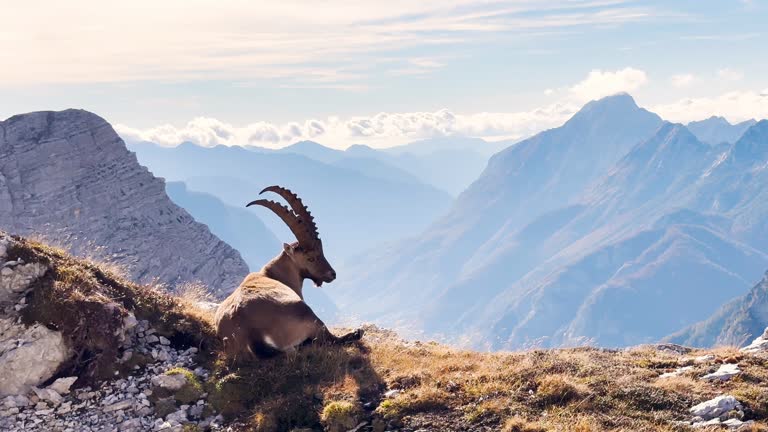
point(68, 177)
point(724, 373)
point(716, 407)
point(16, 279)
point(28, 355)
point(760, 344)
point(62, 385)
point(677, 372)
point(171, 383)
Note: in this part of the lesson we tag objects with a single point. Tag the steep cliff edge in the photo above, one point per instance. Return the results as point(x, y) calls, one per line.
point(68, 178)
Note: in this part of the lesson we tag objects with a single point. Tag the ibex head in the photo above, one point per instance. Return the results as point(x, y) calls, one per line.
point(307, 253)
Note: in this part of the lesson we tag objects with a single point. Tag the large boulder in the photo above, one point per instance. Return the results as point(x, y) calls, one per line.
point(29, 355)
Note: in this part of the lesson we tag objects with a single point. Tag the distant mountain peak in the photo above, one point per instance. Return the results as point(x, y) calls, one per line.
point(306, 144)
point(610, 107)
point(716, 130)
point(753, 144)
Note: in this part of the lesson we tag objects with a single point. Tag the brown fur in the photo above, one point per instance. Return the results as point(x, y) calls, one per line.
point(267, 314)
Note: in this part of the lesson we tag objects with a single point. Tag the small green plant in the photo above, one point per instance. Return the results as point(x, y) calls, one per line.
point(192, 390)
point(339, 416)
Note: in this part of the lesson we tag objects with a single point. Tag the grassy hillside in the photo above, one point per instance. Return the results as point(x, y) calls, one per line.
point(385, 383)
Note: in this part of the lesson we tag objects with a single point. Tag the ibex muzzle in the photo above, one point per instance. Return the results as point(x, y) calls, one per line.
point(266, 314)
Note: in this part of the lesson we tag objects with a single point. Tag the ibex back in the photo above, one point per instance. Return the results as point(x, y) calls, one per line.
point(266, 314)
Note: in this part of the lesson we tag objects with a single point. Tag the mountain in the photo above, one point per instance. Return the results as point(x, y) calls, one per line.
point(314, 151)
point(449, 163)
point(717, 130)
point(623, 250)
point(237, 226)
point(573, 235)
point(520, 183)
point(736, 323)
point(735, 186)
point(68, 178)
point(354, 211)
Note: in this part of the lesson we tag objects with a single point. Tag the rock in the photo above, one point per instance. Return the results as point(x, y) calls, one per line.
point(164, 341)
point(171, 383)
point(671, 348)
point(121, 405)
point(64, 408)
point(48, 394)
point(758, 345)
point(392, 393)
point(130, 424)
point(724, 373)
point(179, 416)
point(62, 385)
point(677, 372)
point(736, 423)
point(715, 407)
point(707, 423)
point(130, 321)
point(14, 281)
point(90, 190)
point(165, 406)
point(207, 306)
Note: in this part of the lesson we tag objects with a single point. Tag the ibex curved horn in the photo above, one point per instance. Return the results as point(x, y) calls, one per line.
point(290, 219)
point(305, 217)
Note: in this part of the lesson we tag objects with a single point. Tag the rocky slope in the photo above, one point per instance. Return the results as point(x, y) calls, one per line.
point(83, 350)
point(68, 178)
point(135, 359)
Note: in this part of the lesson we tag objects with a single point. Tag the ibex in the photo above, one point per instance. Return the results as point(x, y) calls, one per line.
point(266, 314)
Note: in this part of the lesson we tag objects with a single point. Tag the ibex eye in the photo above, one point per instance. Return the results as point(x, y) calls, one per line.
point(312, 259)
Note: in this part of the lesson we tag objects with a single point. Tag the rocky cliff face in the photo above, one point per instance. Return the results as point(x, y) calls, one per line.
point(68, 178)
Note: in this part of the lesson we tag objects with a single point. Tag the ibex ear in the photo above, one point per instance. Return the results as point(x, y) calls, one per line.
point(288, 249)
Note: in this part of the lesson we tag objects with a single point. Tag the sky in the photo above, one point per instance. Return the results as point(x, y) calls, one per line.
point(271, 73)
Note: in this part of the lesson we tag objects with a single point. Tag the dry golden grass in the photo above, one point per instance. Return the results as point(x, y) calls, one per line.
point(445, 389)
point(441, 388)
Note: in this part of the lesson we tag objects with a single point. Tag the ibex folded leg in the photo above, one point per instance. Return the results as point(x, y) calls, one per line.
point(324, 336)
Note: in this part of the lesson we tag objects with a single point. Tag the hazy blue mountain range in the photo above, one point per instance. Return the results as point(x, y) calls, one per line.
point(240, 228)
point(578, 233)
point(717, 130)
point(447, 163)
point(354, 211)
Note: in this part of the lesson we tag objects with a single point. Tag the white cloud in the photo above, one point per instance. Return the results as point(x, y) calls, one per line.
point(735, 106)
point(380, 130)
point(730, 74)
point(682, 80)
point(601, 83)
point(388, 129)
